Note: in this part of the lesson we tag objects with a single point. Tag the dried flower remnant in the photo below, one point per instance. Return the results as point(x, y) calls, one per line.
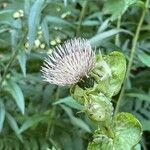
point(69, 62)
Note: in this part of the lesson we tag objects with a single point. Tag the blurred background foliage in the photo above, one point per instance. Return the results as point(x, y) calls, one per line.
point(35, 115)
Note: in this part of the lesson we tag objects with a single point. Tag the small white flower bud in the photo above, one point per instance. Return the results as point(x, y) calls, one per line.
point(37, 43)
point(16, 15)
point(42, 46)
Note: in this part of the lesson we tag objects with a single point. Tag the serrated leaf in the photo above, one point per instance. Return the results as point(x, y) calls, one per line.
point(69, 101)
point(117, 64)
point(33, 20)
point(13, 125)
point(2, 115)
point(123, 134)
point(127, 131)
point(117, 7)
point(16, 93)
point(145, 58)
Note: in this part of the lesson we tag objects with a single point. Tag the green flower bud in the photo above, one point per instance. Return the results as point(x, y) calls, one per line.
point(99, 108)
point(101, 142)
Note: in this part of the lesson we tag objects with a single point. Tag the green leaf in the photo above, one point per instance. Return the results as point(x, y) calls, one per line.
point(140, 96)
point(76, 121)
point(22, 61)
point(13, 125)
point(31, 121)
point(127, 131)
point(2, 115)
point(117, 7)
point(145, 125)
point(117, 64)
point(69, 101)
point(59, 22)
point(137, 147)
point(33, 20)
point(145, 58)
point(16, 93)
point(123, 134)
point(45, 30)
point(99, 108)
point(98, 38)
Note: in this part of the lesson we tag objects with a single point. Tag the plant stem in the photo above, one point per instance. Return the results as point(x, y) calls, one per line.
point(8, 65)
point(14, 55)
point(117, 38)
point(81, 17)
point(52, 115)
point(133, 49)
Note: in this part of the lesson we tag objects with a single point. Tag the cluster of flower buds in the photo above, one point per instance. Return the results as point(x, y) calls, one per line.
point(18, 14)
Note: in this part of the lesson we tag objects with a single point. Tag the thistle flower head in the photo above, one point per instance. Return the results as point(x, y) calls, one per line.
point(69, 62)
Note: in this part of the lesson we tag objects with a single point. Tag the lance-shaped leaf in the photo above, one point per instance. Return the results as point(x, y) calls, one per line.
point(16, 93)
point(117, 7)
point(2, 115)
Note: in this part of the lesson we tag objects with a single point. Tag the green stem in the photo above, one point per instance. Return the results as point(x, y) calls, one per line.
point(12, 60)
point(133, 49)
point(52, 115)
point(8, 65)
point(81, 17)
point(117, 38)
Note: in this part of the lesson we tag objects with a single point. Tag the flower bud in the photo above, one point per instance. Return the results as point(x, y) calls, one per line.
point(99, 108)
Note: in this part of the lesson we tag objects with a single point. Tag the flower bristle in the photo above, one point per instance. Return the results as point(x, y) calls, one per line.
point(69, 62)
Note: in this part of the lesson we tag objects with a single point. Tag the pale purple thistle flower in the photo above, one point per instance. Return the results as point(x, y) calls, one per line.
point(69, 62)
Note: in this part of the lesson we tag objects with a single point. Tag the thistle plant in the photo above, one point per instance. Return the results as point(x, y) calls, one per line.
point(94, 80)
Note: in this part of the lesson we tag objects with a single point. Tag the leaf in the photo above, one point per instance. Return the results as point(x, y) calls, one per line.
point(45, 30)
point(140, 96)
point(145, 125)
point(22, 61)
point(117, 64)
point(104, 25)
point(117, 7)
point(145, 58)
point(31, 121)
point(124, 134)
point(98, 38)
point(33, 20)
point(69, 101)
point(137, 147)
point(2, 115)
point(127, 130)
point(58, 21)
point(16, 93)
point(76, 121)
point(13, 125)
